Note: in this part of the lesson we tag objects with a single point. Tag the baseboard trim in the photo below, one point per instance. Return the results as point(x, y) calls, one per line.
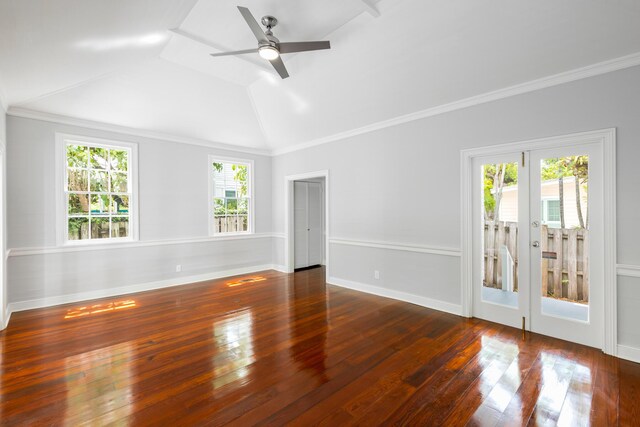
point(629, 353)
point(279, 268)
point(397, 295)
point(7, 316)
point(124, 290)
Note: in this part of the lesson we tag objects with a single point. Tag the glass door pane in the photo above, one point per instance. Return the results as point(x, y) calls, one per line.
point(500, 200)
point(564, 237)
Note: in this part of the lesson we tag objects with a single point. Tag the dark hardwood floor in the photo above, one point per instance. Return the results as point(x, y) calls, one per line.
point(290, 349)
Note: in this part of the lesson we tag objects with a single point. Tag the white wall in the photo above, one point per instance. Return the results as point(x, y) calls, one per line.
point(401, 185)
point(173, 199)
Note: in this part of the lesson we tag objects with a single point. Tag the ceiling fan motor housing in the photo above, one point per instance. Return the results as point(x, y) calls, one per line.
point(269, 21)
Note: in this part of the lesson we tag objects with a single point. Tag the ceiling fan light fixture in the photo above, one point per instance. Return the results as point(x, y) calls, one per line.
point(268, 52)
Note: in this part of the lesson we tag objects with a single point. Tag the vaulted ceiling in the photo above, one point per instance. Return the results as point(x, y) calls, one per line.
point(145, 64)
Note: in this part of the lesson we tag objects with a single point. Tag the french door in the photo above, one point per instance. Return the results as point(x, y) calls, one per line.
point(538, 257)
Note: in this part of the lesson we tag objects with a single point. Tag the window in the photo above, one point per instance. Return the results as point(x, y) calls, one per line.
point(230, 198)
point(551, 212)
point(98, 196)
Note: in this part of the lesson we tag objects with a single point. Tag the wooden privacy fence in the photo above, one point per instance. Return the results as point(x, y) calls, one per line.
point(230, 223)
point(566, 276)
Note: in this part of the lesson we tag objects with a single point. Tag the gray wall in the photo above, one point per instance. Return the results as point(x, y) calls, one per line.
point(402, 184)
point(173, 199)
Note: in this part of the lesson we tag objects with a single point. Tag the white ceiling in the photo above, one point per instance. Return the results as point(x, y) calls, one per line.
point(117, 62)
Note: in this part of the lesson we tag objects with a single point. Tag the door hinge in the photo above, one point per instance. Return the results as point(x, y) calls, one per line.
point(523, 159)
point(523, 329)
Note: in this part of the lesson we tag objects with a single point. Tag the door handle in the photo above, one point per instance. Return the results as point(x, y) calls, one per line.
point(536, 244)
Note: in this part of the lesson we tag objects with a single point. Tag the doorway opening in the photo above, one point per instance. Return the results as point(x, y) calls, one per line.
point(306, 220)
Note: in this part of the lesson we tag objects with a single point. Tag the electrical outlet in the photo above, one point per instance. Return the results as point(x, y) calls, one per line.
point(376, 274)
point(178, 268)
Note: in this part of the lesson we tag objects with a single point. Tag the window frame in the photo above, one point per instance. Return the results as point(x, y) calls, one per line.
point(250, 195)
point(62, 232)
point(545, 211)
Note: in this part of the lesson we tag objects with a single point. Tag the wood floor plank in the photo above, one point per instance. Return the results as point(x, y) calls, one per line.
point(291, 349)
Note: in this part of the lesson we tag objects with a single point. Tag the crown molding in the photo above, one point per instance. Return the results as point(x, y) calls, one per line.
point(90, 124)
point(519, 89)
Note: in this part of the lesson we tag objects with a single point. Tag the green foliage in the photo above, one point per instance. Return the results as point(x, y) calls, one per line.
point(119, 160)
point(240, 177)
point(77, 156)
point(563, 167)
point(490, 171)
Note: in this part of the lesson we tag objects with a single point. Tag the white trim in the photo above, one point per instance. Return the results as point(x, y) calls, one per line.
point(288, 217)
point(7, 317)
point(370, 8)
point(124, 290)
point(251, 219)
point(433, 250)
point(279, 268)
point(629, 353)
point(593, 70)
point(16, 252)
point(4, 105)
point(519, 89)
point(628, 270)
point(90, 124)
point(397, 295)
point(607, 139)
point(60, 185)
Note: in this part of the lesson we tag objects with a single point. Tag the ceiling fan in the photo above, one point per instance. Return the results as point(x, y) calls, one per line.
point(269, 47)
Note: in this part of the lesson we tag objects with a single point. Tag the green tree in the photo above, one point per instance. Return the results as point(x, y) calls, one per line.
point(496, 177)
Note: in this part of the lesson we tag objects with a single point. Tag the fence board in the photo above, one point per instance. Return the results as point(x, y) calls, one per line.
point(585, 266)
point(490, 251)
point(565, 277)
point(513, 250)
point(572, 264)
point(558, 263)
point(500, 241)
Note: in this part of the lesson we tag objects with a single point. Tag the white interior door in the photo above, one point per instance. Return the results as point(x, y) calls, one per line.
point(500, 211)
point(308, 223)
point(314, 225)
point(538, 246)
point(301, 238)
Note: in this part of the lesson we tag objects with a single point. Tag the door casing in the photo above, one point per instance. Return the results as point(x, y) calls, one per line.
point(605, 140)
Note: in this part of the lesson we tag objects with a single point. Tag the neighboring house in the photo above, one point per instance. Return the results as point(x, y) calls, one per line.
point(550, 205)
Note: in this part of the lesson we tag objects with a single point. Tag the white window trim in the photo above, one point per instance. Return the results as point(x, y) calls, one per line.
point(252, 201)
point(61, 206)
point(545, 210)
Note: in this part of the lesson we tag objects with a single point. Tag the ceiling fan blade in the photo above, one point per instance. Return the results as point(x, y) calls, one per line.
point(253, 24)
point(280, 68)
point(236, 52)
point(293, 47)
